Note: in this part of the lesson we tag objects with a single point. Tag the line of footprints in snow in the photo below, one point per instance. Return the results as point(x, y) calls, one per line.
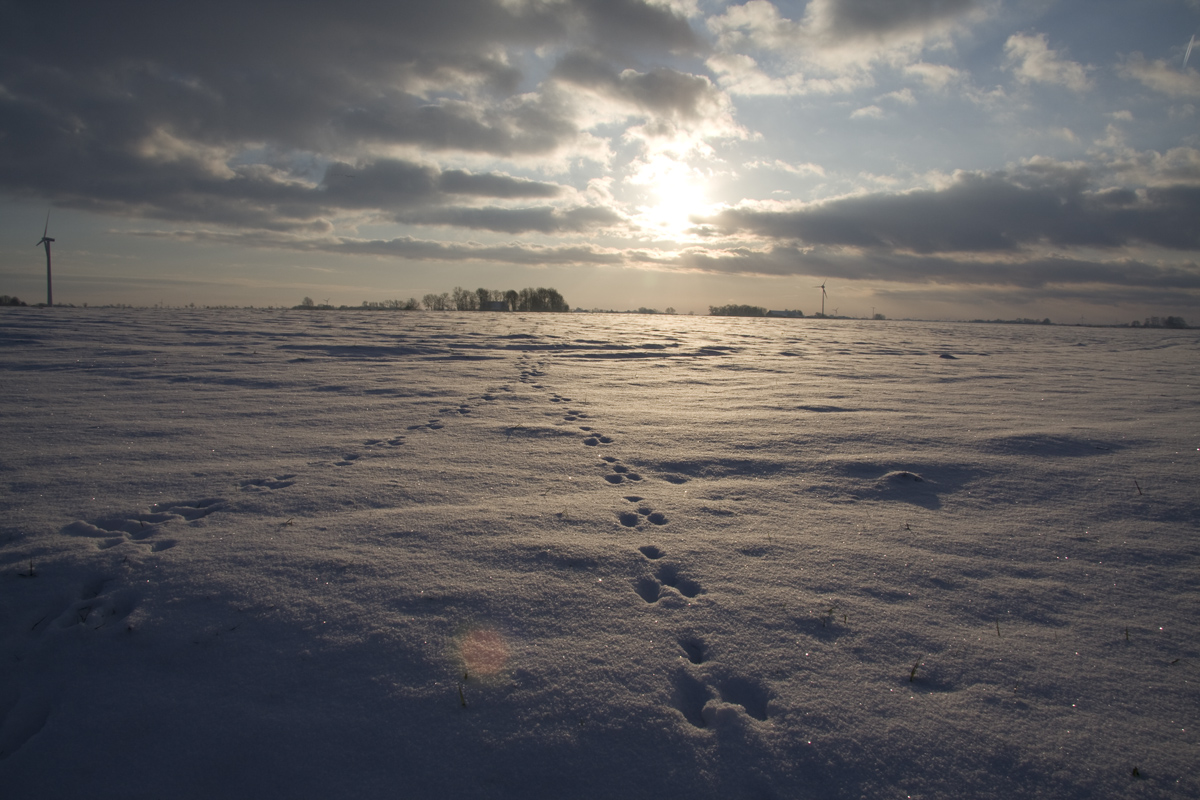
point(694, 695)
point(97, 607)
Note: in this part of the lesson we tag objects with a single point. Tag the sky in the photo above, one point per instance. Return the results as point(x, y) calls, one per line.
point(938, 159)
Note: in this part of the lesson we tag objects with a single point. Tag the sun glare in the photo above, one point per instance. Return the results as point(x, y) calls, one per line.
point(675, 191)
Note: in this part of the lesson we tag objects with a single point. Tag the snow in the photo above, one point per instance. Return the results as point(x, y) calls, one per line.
point(345, 554)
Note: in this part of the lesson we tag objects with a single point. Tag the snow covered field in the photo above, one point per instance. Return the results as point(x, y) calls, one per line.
point(345, 554)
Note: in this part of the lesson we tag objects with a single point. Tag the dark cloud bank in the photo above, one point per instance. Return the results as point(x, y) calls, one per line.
point(140, 108)
point(997, 212)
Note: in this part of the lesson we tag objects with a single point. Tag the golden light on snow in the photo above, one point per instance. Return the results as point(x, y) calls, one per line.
point(483, 652)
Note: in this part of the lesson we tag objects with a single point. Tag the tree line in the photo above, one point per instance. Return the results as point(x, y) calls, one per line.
point(735, 310)
point(461, 299)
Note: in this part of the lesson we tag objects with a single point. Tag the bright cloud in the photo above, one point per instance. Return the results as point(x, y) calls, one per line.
point(1032, 61)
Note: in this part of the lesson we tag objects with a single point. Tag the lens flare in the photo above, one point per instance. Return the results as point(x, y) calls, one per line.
point(483, 652)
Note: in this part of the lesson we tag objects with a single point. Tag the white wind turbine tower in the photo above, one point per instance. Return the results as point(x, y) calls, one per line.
point(46, 240)
point(824, 294)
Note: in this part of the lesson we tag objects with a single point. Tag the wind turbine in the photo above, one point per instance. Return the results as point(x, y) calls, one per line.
point(824, 294)
point(46, 240)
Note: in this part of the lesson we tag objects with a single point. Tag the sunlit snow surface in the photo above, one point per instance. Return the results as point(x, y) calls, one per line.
point(273, 554)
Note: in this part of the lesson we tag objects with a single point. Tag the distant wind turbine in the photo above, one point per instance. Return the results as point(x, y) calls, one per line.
point(1188, 52)
point(46, 240)
point(824, 294)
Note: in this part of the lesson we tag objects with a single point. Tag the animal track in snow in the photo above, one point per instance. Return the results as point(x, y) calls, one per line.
point(695, 648)
point(651, 589)
point(266, 484)
point(747, 693)
point(691, 695)
point(529, 375)
point(395, 441)
point(434, 424)
point(621, 474)
point(651, 552)
point(648, 589)
point(347, 460)
point(491, 395)
point(96, 608)
point(118, 530)
point(668, 575)
point(631, 519)
point(694, 698)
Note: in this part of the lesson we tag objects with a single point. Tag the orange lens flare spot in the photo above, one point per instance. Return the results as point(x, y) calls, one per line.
point(483, 652)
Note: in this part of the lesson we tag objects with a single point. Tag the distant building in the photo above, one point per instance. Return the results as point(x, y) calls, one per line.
point(496, 305)
point(785, 313)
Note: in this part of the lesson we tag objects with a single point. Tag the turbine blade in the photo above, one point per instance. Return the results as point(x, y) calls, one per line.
point(1191, 42)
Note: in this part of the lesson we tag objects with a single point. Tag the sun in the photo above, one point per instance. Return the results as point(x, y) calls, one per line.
point(674, 192)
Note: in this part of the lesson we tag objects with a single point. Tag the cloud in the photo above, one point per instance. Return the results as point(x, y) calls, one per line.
point(1089, 277)
point(228, 113)
point(661, 92)
point(857, 20)
point(1043, 203)
point(1032, 61)
point(740, 74)
point(867, 112)
point(395, 183)
point(1179, 166)
point(935, 76)
point(183, 183)
point(410, 248)
point(1160, 76)
point(315, 77)
point(903, 96)
point(543, 219)
point(831, 23)
point(832, 47)
point(806, 169)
